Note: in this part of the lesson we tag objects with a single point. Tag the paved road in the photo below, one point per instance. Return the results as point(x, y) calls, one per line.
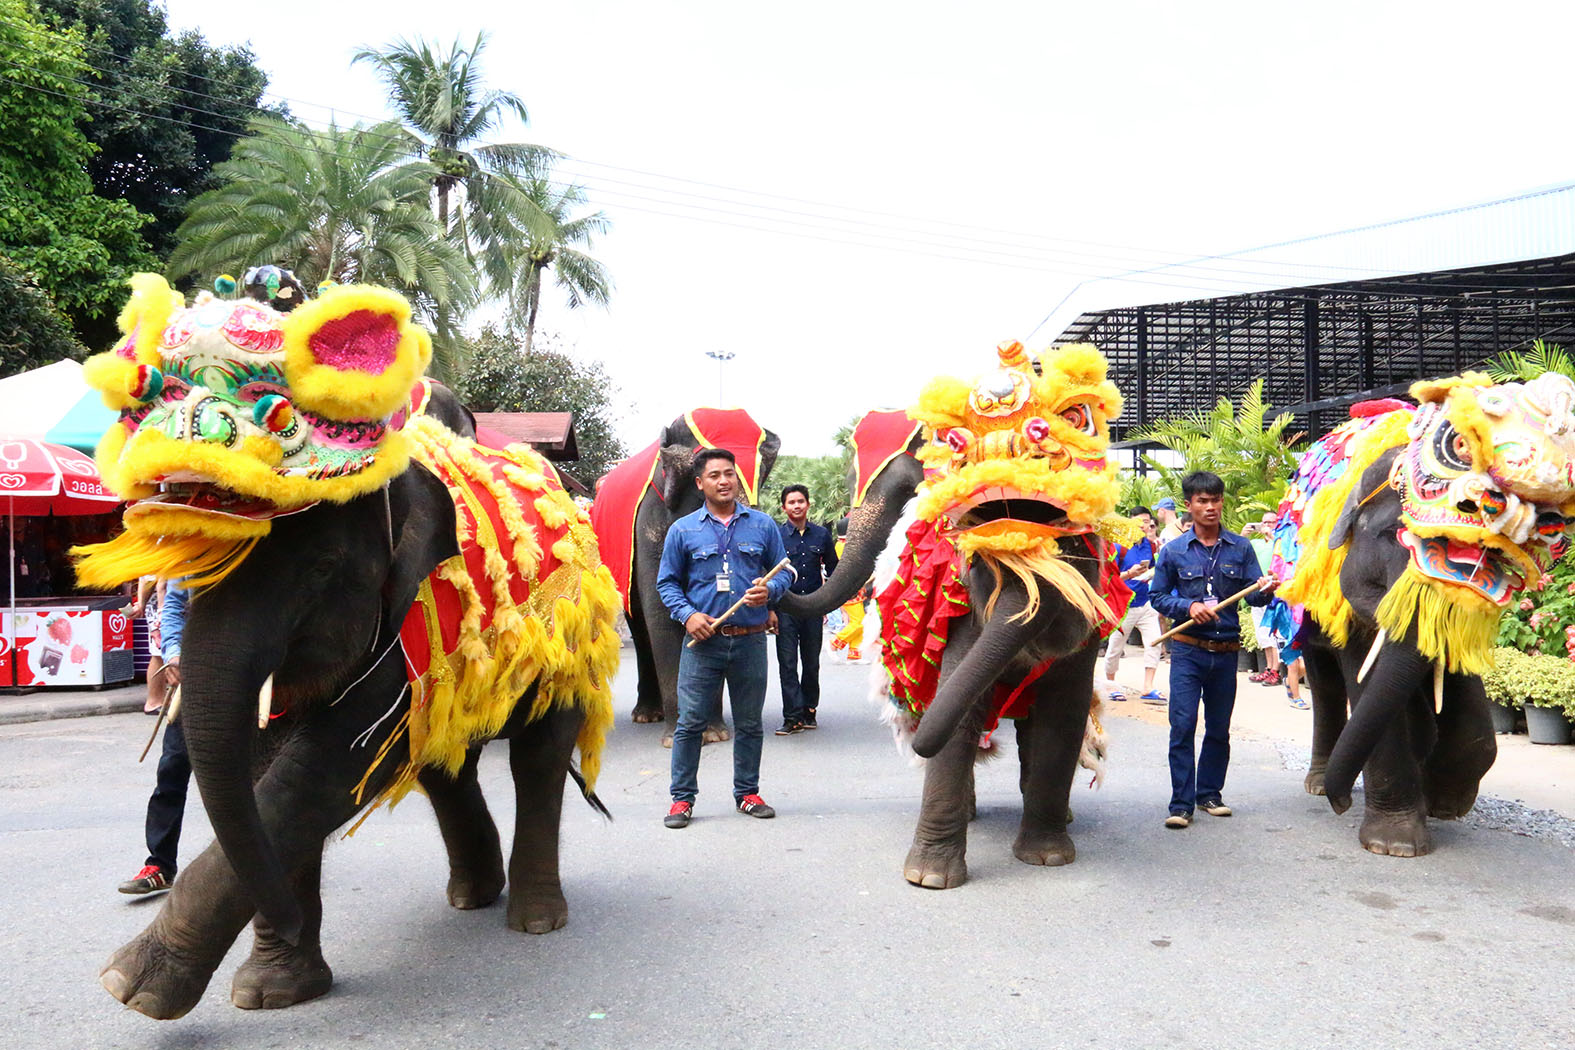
point(1272, 928)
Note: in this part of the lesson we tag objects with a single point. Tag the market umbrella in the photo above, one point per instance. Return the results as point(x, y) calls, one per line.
point(55, 404)
point(39, 478)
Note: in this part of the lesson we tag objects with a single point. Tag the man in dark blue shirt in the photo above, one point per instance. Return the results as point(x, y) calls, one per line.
point(710, 559)
point(813, 552)
point(1191, 576)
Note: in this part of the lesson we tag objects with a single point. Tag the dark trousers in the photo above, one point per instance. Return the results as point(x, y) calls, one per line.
point(1199, 677)
point(798, 638)
point(167, 805)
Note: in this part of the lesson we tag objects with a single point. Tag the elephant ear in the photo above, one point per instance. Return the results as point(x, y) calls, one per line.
point(675, 474)
point(353, 353)
point(1373, 478)
point(768, 458)
point(421, 518)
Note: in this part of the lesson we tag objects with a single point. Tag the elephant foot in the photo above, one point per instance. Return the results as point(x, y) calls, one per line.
point(467, 892)
point(277, 975)
point(537, 911)
point(1049, 848)
point(644, 715)
point(155, 979)
point(1396, 834)
point(716, 733)
point(1451, 804)
point(936, 866)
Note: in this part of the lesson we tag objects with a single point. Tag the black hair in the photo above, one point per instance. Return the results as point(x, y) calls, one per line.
point(790, 489)
point(706, 455)
point(1201, 483)
point(1139, 509)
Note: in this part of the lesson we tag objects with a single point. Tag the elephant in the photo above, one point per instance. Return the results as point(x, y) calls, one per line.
point(1002, 573)
point(299, 476)
point(635, 504)
point(1404, 534)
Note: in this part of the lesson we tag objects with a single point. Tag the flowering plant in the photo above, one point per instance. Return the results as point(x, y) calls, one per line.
point(1518, 678)
point(1543, 619)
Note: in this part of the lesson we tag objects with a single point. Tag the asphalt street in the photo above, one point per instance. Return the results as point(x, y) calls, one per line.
point(1272, 928)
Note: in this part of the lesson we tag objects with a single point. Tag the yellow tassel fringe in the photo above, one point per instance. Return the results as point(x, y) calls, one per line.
point(1454, 624)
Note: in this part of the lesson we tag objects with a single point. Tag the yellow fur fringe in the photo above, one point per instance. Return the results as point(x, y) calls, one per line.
point(201, 560)
point(1454, 624)
point(1044, 563)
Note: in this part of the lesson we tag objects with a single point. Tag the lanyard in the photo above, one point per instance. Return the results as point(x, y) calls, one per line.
point(1214, 558)
point(725, 539)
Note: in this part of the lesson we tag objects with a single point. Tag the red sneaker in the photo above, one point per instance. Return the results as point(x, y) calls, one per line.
point(151, 879)
point(680, 815)
point(755, 806)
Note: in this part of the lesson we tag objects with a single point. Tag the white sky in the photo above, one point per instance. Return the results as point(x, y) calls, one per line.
point(1179, 128)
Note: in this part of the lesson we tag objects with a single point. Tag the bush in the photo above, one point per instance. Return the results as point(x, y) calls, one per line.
point(1542, 618)
point(1531, 678)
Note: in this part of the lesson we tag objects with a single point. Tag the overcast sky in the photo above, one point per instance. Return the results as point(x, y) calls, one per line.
point(853, 197)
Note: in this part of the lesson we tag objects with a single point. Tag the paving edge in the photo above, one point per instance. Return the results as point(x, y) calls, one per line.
point(14, 710)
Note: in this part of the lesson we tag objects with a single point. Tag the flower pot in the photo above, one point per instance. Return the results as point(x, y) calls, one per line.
point(1247, 660)
point(1547, 725)
point(1503, 718)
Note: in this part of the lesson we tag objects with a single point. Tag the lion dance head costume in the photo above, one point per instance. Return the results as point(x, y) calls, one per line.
point(235, 412)
point(1015, 462)
point(1485, 473)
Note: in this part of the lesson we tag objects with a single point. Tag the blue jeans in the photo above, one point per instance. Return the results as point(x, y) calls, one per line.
point(741, 663)
point(798, 638)
point(1199, 676)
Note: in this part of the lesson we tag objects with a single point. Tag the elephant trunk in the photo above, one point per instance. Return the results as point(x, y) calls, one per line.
point(219, 713)
point(1002, 637)
point(869, 527)
point(1399, 672)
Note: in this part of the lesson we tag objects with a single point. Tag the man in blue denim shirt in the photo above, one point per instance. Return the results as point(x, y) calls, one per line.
point(710, 559)
point(1191, 575)
point(812, 551)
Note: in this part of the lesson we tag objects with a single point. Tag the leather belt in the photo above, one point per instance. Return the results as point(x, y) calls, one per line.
point(738, 632)
point(1207, 644)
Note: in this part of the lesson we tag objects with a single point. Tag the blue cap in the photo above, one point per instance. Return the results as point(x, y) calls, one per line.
point(1165, 504)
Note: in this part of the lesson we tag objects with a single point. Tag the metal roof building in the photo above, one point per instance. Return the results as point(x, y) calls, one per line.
point(1382, 307)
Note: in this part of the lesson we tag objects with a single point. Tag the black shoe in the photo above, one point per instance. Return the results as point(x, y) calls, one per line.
point(151, 879)
point(788, 728)
point(1215, 808)
point(809, 720)
point(679, 815)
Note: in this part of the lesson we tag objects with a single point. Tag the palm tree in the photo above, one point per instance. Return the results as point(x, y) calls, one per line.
point(1253, 459)
point(1514, 366)
point(532, 223)
point(343, 204)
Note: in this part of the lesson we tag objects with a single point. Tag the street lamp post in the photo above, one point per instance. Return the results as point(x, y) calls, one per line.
point(722, 357)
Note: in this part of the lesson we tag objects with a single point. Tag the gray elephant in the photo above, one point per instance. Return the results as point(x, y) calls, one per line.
point(635, 504)
point(1408, 530)
point(360, 622)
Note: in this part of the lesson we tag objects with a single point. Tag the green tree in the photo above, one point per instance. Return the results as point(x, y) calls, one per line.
point(1144, 490)
point(1253, 457)
point(1518, 366)
point(826, 477)
point(342, 204)
point(496, 377)
point(32, 330)
point(77, 246)
point(162, 109)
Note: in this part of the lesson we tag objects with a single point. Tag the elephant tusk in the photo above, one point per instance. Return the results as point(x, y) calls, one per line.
point(173, 704)
point(1438, 687)
point(1372, 656)
point(265, 702)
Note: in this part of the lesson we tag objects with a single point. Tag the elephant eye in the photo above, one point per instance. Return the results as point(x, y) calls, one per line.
point(1451, 448)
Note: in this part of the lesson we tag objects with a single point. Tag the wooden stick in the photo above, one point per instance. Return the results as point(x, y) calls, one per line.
point(740, 603)
point(1227, 603)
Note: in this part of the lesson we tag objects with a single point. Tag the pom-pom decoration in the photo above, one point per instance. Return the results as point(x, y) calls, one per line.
point(273, 413)
point(148, 384)
point(224, 284)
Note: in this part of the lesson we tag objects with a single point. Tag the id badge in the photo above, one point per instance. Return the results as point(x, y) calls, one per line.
point(724, 583)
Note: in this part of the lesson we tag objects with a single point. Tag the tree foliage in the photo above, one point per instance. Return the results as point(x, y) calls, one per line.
point(496, 377)
point(77, 246)
point(32, 330)
point(1518, 366)
point(827, 478)
point(161, 109)
point(1254, 458)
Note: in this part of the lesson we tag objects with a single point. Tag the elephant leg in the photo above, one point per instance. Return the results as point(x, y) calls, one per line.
point(648, 696)
point(1330, 689)
point(539, 757)
point(1394, 822)
point(278, 974)
point(475, 860)
point(1464, 752)
point(1054, 727)
point(940, 841)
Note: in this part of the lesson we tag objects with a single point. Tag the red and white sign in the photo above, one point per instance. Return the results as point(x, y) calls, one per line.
point(60, 646)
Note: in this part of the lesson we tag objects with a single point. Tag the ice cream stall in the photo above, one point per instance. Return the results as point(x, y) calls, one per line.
point(66, 642)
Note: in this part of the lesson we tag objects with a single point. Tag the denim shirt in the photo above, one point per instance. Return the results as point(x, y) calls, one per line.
point(692, 558)
point(811, 551)
point(172, 620)
point(1182, 575)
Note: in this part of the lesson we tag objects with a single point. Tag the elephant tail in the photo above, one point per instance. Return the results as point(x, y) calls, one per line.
point(590, 796)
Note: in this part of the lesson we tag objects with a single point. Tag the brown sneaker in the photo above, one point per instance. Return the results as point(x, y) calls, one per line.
point(1215, 808)
point(1178, 821)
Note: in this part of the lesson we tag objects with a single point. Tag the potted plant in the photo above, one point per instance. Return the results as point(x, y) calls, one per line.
point(1545, 684)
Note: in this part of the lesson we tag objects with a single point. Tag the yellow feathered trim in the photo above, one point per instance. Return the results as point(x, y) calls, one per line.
point(202, 560)
point(113, 377)
point(1045, 563)
point(1316, 585)
point(1087, 496)
point(341, 390)
point(248, 471)
point(1454, 624)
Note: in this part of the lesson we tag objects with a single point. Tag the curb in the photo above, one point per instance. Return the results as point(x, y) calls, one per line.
point(45, 708)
